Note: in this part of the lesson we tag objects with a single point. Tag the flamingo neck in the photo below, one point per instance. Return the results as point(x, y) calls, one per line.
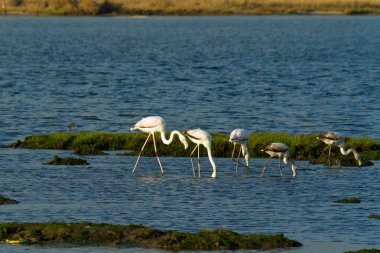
point(208, 147)
point(171, 137)
point(245, 153)
point(349, 151)
point(294, 169)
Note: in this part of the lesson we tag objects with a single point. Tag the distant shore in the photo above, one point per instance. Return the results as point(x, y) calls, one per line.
point(189, 7)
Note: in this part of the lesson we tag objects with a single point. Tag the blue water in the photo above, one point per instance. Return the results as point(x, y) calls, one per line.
point(291, 74)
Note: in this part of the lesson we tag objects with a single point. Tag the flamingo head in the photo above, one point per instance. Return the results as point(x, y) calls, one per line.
point(182, 139)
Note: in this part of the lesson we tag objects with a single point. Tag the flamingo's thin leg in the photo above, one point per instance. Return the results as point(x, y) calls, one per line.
point(138, 158)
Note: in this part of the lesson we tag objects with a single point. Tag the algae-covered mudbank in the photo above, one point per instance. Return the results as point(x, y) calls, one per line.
point(7, 201)
point(91, 234)
point(67, 161)
point(301, 147)
point(353, 200)
point(364, 251)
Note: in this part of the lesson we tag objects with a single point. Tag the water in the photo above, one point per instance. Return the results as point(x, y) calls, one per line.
point(291, 74)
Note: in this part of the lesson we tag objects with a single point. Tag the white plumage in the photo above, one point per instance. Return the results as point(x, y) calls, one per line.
point(201, 137)
point(240, 137)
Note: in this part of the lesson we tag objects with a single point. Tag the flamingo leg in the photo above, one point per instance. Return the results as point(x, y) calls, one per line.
point(199, 164)
point(265, 166)
point(155, 150)
point(279, 165)
point(237, 161)
point(138, 158)
point(329, 155)
point(233, 151)
point(191, 159)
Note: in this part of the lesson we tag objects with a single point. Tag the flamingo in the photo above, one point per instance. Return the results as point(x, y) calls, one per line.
point(240, 136)
point(201, 137)
point(281, 151)
point(151, 125)
point(333, 138)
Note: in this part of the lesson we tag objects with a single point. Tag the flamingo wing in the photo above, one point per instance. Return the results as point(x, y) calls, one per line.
point(277, 147)
point(329, 135)
point(198, 134)
point(151, 122)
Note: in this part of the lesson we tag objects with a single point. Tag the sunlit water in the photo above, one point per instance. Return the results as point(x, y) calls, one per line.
point(291, 74)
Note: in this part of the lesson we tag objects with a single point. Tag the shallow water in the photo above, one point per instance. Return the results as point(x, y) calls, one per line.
point(302, 208)
point(291, 74)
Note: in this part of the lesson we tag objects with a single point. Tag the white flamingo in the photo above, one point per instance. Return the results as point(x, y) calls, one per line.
point(240, 136)
point(201, 137)
point(279, 150)
point(333, 138)
point(151, 125)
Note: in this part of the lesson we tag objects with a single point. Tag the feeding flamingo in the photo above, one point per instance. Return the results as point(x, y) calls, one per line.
point(333, 138)
point(201, 137)
point(151, 125)
point(279, 150)
point(240, 136)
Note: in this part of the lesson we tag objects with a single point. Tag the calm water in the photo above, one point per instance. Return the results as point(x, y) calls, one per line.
point(291, 74)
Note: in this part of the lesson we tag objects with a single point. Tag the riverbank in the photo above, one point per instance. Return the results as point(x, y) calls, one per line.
point(92, 234)
point(191, 7)
point(301, 147)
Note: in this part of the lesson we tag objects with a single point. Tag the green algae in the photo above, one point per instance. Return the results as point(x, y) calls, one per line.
point(67, 161)
point(93, 234)
point(7, 201)
point(364, 251)
point(374, 216)
point(353, 200)
point(301, 147)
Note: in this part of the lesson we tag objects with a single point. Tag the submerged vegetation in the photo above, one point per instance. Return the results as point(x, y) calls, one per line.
point(67, 161)
point(190, 7)
point(353, 200)
point(301, 147)
point(6, 201)
point(92, 234)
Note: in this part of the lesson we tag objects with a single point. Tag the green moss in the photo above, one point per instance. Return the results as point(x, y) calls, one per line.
point(7, 201)
point(91, 234)
point(67, 161)
point(301, 147)
point(353, 200)
point(364, 251)
point(374, 216)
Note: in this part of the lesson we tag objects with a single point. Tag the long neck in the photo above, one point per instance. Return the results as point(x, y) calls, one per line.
point(245, 154)
point(208, 147)
point(349, 151)
point(171, 137)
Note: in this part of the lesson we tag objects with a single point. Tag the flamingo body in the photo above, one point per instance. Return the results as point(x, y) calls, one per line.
point(150, 124)
point(240, 137)
point(281, 151)
point(201, 137)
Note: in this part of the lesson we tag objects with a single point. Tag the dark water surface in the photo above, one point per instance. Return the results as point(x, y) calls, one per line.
point(291, 74)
